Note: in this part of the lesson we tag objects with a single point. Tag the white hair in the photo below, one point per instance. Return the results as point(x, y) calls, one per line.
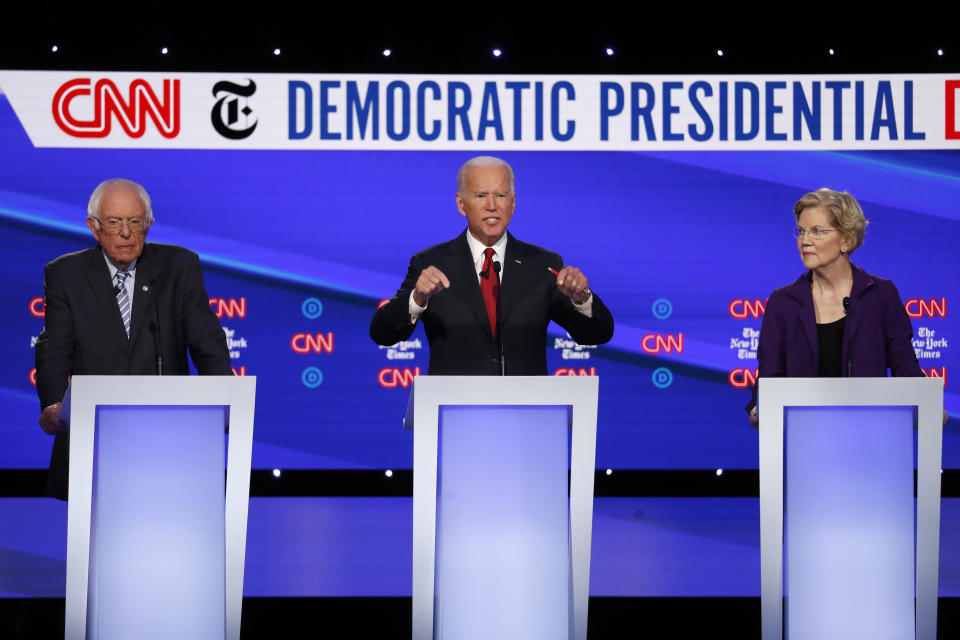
point(93, 207)
point(482, 161)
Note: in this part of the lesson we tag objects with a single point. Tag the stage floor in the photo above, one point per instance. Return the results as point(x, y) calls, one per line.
point(362, 547)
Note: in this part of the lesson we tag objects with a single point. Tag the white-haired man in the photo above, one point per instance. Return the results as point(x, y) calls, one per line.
point(109, 307)
point(485, 298)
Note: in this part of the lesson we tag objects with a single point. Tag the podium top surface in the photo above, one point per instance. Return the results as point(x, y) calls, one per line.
point(850, 391)
point(573, 391)
point(137, 389)
point(158, 390)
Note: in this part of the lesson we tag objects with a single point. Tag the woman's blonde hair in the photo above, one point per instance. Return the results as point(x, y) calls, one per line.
point(843, 211)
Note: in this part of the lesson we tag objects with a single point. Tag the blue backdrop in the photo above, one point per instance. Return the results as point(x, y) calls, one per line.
point(297, 245)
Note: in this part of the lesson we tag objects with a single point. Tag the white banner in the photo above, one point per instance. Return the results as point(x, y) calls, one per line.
point(473, 112)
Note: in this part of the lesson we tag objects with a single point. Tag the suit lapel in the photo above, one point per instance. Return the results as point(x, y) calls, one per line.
point(143, 293)
point(800, 291)
point(519, 272)
point(98, 275)
point(861, 282)
point(461, 271)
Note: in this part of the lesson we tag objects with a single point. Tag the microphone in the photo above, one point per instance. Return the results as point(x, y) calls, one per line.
point(155, 330)
point(503, 364)
point(496, 267)
point(846, 311)
point(486, 272)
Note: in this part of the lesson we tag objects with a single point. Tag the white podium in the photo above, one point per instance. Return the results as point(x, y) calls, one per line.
point(499, 550)
point(842, 541)
point(154, 549)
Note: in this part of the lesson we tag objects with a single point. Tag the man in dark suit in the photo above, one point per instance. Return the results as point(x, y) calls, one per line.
point(115, 308)
point(470, 318)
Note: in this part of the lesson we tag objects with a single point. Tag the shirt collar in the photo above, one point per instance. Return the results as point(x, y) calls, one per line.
point(131, 269)
point(477, 247)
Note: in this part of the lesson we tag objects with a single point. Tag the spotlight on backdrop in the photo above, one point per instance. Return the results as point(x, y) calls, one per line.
point(386, 53)
point(939, 52)
point(276, 51)
point(610, 51)
point(276, 473)
point(388, 473)
point(54, 48)
point(164, 51)
point(497, 53)
point(719, 472)
point(609, 472)
point(830, 51)
point(720, 52)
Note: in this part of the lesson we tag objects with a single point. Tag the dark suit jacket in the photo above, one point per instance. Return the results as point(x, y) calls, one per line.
point(83, 332)
point(456, 323)
point(876, 337)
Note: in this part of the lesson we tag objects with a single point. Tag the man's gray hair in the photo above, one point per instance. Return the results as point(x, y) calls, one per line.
point(483, 161)
point(93, 207)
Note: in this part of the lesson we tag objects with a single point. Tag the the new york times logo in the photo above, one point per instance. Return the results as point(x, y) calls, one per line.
point(231, 105)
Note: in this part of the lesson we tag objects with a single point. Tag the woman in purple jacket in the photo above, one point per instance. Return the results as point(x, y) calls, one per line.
point(836, 319)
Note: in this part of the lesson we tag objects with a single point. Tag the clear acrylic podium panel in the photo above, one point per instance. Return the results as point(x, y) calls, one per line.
point(849, 523)
point(157, 545)
point(503, 548)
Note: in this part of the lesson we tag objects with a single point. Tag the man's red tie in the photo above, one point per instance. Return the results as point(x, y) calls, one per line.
point(489, 285)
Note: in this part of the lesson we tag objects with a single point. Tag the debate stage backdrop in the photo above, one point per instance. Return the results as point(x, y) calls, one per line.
point(305, 196)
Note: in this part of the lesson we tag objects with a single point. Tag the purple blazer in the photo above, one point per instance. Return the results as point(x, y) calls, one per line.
point(876, 337)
